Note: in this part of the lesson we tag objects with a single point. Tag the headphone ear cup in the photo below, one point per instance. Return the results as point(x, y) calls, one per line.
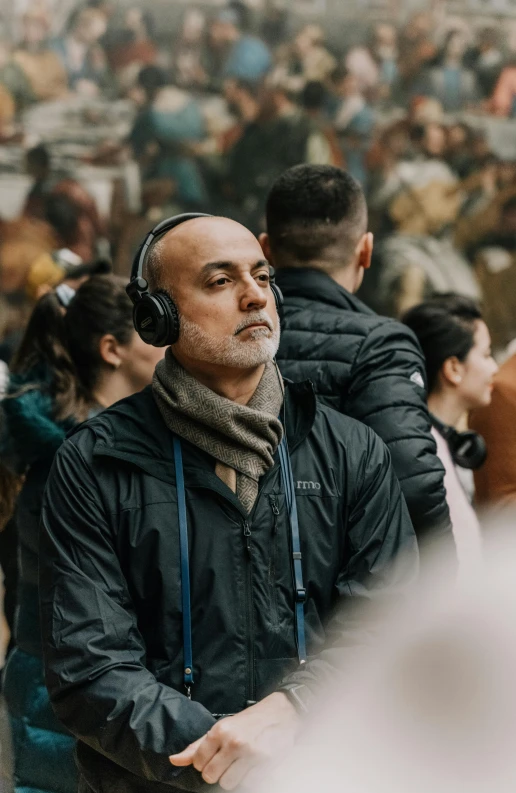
point(156, 319)
point(468, 449)
point(278, 297)
point(172, 318)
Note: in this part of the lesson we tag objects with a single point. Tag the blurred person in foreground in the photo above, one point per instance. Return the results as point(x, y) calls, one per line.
point(80, 354)
point(209, 436)
point(364, 365)
point(495, 482)
point(431, 706)
point(459, 370)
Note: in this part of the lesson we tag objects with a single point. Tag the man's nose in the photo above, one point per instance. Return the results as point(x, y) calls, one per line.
point(253, 296)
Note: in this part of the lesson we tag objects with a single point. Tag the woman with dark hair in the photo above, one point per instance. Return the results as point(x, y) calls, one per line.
point(459, 371)
point(80, 354)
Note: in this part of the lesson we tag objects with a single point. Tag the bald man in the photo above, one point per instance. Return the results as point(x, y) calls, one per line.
point(178, 670)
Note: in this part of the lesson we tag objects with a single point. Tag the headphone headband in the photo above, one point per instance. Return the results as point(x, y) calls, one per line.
point(165, 225)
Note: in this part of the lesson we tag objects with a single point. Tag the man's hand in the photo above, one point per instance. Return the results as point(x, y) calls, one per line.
point(228, 752)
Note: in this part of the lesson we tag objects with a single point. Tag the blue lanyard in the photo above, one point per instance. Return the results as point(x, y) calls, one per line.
point(297, 569)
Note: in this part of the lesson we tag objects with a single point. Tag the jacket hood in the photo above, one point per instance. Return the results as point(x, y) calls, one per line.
point(319, 286)
point(133, 429)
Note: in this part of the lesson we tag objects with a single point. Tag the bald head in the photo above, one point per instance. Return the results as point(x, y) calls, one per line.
point(193, 245)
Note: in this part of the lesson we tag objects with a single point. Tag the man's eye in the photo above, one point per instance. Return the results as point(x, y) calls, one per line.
point(264, 277)
point(220, 281)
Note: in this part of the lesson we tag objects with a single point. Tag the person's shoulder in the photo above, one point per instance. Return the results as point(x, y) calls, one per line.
point(255, 42)
point(368, 323)
point(391, 327)
point(135, 415)
point(341, 322)
point(318, 313)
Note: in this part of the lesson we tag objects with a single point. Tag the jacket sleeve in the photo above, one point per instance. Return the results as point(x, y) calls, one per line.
point(94, 654)
point(381, 564)
point(387, 392)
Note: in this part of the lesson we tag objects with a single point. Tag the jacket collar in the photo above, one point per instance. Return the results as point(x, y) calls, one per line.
point(315, 285)
point(134, 431)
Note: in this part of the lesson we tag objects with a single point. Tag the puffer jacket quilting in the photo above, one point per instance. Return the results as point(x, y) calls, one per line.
point(371, 368)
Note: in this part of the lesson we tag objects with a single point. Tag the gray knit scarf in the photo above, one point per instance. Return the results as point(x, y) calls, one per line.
point(242, 438)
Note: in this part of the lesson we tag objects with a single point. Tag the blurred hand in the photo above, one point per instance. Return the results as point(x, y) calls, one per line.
point(235, 745)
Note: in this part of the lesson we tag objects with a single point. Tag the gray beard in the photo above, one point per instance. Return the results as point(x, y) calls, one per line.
point(260, 347)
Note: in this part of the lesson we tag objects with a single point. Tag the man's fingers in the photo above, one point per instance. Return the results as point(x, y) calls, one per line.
point(186, 757)
point(235, 774)
point(219, 764)
point(206, 751)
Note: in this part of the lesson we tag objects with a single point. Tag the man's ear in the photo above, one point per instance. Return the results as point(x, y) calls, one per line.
point(264, 241)
point(364, 251)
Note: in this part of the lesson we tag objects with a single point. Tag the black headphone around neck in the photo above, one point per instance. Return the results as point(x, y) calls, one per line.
point(468, 449)
point(155, 315)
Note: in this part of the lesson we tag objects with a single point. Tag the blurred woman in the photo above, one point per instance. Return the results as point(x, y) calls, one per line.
point(459, 370)
point(80, 354)
point(40, 66)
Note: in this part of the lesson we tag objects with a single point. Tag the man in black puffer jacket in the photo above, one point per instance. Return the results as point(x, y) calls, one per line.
point(363, 365)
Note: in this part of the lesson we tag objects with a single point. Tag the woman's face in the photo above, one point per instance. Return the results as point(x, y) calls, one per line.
point(138, 361)
point(477, 371)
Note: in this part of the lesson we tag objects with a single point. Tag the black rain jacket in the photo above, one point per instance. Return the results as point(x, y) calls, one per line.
point(110, 580)
point(371, 368)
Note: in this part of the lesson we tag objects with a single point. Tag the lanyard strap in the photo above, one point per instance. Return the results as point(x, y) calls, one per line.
point(185, 567)
point(297, 569)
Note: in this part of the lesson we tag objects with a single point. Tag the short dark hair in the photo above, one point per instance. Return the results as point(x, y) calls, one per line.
point(313, 95)
point(339, 74)
point(445, 328)
point(312, 207)
point(63, 214)
point(151, 79)
point(38, 156)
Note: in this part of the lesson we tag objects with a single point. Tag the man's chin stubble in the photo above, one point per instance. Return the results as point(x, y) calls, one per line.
point(257, 349)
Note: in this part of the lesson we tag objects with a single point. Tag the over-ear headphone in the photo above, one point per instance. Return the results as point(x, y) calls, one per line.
point(155, 315)
point(468, 449)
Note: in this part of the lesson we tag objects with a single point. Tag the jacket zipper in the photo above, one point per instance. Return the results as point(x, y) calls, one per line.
point(251, 697)
point(272, 562)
